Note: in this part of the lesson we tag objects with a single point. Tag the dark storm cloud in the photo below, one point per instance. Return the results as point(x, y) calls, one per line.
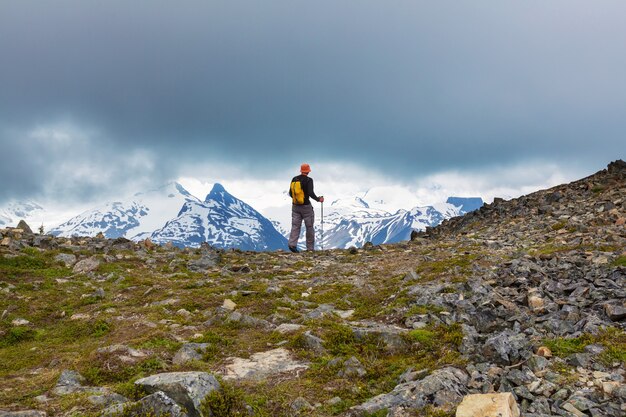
point(405, 87)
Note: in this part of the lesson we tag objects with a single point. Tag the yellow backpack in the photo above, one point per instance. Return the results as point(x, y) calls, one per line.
point(297, 193)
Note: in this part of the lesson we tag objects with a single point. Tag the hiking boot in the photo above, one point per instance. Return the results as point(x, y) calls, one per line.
point(293, 249)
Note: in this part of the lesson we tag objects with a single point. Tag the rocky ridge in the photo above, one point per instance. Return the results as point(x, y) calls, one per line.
point(525, 297)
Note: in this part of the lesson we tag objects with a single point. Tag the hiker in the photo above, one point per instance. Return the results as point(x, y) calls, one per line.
point(301, 191)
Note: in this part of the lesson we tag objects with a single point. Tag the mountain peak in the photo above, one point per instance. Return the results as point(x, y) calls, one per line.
point(217, 188)
point(182, 189)
point(218, 192)
point(466, 204)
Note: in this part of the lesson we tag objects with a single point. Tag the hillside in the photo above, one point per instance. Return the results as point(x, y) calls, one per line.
point(524, 296)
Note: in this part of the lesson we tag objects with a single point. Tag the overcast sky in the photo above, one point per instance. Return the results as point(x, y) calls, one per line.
point(102, 96)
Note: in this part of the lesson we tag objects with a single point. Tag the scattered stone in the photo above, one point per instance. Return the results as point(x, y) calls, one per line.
point(569, 407)
point(535, 301)
point(538, 363)
point(124, 354)
point(246, 320)
point(20, 322)
point(352, 368)
point(487, 405)
point(229, 305)
point(243, 269)
point(71, 382)
point(300, 404)
point(188, 389)
point(190, 352)
point(334, 401)
point(99, 294)
point(288, 328)
point(313, 343)
point(615, 312)
point(544, 351)
point(147, 243)
point(344, 314)
point(107, 399)
point(206, 261)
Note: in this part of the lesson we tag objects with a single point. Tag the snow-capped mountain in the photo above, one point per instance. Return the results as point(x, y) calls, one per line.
point(352, 222)
point(134, 218)
point(29, 211)
point(223, 221)
point(171, 214)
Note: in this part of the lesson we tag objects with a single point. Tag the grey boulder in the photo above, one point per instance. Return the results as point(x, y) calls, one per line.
point(188, 389)
point(443, 388)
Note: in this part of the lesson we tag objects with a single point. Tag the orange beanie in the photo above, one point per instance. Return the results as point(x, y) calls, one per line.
point(305, 168)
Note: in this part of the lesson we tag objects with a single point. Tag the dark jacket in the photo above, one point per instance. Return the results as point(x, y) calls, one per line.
point(307, 187)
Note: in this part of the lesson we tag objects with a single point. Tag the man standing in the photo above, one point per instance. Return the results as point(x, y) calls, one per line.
point(301, 192)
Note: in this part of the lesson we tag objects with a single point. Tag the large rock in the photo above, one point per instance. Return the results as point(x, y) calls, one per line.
point(25, 227)
point(443, 388)
point(188, 389)
point(392, 336)
point(157, 404)
point(483, 405)
point(615, 312)
point(25, 413)
point(71, 382)
point(263, 364)
point(86, 265)
point(507, 347)
point(66, 258)
point(208, 260)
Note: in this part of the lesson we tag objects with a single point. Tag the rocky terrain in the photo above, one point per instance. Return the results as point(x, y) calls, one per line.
point(525, 298)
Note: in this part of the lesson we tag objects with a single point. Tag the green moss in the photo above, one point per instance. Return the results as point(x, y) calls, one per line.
point(104, 373)
point(32, 264)
point(430, 411)
point(22, 262)
point(227, 402)
point(613, 340)
point(421, 309)
point(130, 390)
point(380, 413)
point(100, 328)
point(160, 342)
point(455, 266)
point(558, 226)
point(340, 340)
point(563, 347)
point(17, 335)
point(422, 336)
point(438, 338)
point(620, 261)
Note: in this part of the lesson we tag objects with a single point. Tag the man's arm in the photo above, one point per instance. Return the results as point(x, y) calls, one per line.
point(310, 191)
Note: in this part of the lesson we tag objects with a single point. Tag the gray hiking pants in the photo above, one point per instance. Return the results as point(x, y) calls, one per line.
point(298, 213)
